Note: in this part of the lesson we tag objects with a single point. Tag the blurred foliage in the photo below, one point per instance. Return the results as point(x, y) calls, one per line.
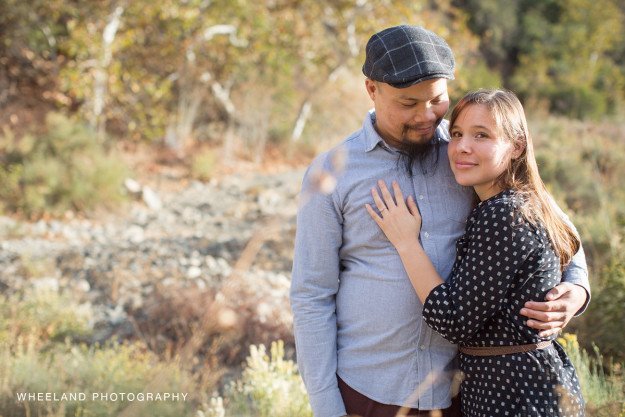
point(36, 331)
point(40, 318)
point(603, 391)
point(269, 387)
point(180, 70)
point(217, 70)
point(583, 164)
point(564, 55)
point(63, 168)
point(203, 164)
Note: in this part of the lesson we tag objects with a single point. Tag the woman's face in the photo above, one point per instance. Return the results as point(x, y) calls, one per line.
point(478, 153)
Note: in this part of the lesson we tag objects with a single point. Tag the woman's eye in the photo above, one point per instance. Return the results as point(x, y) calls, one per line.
point(481, 135)
point(456, 134)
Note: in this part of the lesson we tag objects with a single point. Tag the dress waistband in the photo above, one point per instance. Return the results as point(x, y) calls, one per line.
point(503, 350)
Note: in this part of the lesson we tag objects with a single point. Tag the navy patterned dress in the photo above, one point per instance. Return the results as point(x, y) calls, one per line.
point(503, 261)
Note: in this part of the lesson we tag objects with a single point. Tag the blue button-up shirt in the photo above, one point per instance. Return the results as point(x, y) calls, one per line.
point(355, 311)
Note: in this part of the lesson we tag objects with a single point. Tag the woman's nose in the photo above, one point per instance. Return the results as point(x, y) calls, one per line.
point(463, 145)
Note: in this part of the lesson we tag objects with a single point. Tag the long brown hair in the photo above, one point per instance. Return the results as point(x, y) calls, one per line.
point(522, 172)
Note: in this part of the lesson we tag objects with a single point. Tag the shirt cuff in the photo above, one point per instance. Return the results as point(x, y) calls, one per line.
point(583, 307)
point(328, 403)
point(579, 276)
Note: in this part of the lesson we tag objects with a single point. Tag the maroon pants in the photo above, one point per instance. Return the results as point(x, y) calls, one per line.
point(357, 404)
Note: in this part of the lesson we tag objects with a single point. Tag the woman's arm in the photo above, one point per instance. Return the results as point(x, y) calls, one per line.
point(401, 223)
point(458, 308)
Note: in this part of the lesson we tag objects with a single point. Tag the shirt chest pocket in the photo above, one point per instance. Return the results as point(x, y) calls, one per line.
point(453, 202)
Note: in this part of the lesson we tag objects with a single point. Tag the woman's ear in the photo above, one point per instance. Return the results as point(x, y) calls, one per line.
point(519, 148)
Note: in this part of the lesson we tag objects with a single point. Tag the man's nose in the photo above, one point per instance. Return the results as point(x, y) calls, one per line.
point(424, 114)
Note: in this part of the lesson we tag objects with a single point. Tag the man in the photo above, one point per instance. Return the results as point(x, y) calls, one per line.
point(362, 347)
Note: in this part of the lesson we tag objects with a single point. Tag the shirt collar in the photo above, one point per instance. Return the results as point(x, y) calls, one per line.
point(372, 138)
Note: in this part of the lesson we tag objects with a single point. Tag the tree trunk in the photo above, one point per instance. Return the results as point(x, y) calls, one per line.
point(100, 85)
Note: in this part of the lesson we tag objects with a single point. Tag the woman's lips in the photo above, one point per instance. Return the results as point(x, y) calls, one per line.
point(464, 164)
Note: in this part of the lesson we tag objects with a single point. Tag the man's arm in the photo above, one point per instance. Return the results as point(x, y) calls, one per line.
point(568, 299)
point(315, 282)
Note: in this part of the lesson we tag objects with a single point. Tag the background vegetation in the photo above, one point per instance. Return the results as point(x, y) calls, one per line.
point(216, 81)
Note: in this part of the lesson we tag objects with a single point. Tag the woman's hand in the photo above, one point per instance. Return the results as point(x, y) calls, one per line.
point(400, 221)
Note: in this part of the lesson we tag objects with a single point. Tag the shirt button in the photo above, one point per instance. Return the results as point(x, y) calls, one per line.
point(421, 197)
point(422, 347)
point(427, 235)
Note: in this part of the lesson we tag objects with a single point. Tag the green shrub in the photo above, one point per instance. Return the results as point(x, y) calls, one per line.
point(603, 321)
point(203, 164)
point(269, 387)
point(112, 369)
point(65, 168)
point(37, 356)
point(580, 102)
point(600, 388)
point(40, 317)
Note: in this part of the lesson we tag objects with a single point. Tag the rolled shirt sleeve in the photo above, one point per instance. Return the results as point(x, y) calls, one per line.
point(576, 272)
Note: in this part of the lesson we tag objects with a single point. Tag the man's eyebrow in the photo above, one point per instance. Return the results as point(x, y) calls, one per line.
point(403, 97)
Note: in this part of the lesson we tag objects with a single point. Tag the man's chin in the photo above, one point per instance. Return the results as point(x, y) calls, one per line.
point(418, 139)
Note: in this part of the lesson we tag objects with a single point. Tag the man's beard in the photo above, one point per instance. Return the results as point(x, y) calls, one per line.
point(411, 152)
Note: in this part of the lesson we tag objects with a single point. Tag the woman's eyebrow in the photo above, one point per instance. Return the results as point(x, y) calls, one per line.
point(480, 127)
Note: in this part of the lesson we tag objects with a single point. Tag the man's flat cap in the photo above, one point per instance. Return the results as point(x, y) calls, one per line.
point(405, 55)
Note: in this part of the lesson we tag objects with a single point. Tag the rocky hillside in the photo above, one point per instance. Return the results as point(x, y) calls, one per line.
point(211, 258)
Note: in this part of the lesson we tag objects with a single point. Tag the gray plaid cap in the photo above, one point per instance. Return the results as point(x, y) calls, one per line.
point(405, 55)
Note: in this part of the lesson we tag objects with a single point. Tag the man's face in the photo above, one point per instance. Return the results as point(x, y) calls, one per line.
point(408, 114)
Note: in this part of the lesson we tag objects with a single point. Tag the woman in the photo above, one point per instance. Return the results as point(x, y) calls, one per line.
point(513, 250)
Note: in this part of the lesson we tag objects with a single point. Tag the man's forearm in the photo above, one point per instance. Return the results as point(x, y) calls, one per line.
point(577, 273)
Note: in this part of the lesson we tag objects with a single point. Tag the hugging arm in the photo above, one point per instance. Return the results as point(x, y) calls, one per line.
point(458, 308)
point(570, 298)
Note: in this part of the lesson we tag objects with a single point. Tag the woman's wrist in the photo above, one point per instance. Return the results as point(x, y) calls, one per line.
point(408, 247)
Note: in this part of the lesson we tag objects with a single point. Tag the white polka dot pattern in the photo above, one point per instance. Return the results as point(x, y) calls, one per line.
point(502, 262)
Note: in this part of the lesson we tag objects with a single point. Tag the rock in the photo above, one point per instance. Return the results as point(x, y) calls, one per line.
point(189, 239)
point(45, 284)
point(194, 272)
point(132, 186)
point(151, 199)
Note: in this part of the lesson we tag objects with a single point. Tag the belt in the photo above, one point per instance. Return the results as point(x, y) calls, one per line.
point(503, 350)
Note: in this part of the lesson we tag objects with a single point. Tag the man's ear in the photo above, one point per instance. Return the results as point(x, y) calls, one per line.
point(372, 88)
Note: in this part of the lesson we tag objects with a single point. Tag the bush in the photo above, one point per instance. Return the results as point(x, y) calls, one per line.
point(65, 168)
point(580, 102)
point(601, 389)
point(204, 164)
point(40, 317)
point(603, 321)
point(112, 369)
point(270, 386)
point(37, 356)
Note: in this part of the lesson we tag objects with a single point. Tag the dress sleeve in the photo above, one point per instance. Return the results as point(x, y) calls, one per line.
point(495, 249)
